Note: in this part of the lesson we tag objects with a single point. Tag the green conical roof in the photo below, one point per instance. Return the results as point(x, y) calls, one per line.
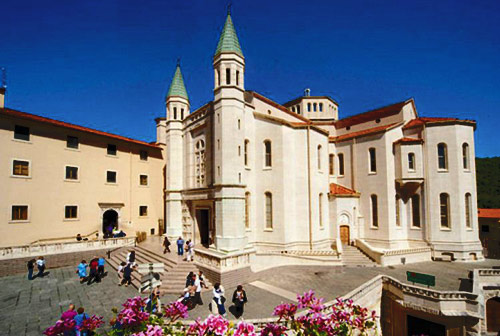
point(228, 41)
point(177, 87)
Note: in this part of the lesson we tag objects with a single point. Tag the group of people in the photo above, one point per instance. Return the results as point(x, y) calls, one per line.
point(96, 270)
point(187, 246)
point(78, 316)
point(40, 264)
point(126, 268)
point(192, 295)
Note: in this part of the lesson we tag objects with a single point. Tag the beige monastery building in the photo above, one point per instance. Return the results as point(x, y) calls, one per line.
point(255, 183)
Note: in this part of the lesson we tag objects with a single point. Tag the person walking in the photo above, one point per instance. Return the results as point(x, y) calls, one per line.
point(197, 293)
point(131, 258)
point(189, 280)
point(180, 246)
point(31, 267)
point(166, 245)
point(79, 318)
point(120, 271)
point(127, 275)
point(93, 265)
point(189, 250)
point(219, 299)
point(40, 263)
point(100, 267)
point(81, 269)
point(202, 279)
point(239, 300)
point(69, 314)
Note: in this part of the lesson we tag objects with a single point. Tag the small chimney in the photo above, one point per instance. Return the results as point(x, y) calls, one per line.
point(307, 92)
point(3, 87)
point(2, 97)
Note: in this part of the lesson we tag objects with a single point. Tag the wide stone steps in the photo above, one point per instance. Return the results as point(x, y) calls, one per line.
point(173, 277)
point(353, 257)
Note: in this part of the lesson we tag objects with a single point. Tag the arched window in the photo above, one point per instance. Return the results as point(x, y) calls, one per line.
point(319, 157)
point(415, 210)
point(374, 206)
point(247, 210)
point(293, 108)
point(269, 210)
point(331, 159)
point(468, 210)
point(444, 206)
point(321, 107)
point(398, 217)
point(373, 160)
point(314, 107)
point(320, 209)
point(268, 153)
point(341, 164)
point(175, 112)
point(465, 155)
point(411, 161)
point(442, 156)
point(228, 76)
point(298, 109)
point(199, 151)
point(245, 150)
point(308, 107)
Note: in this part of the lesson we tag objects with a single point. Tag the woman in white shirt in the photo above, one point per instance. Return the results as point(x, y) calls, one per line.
point(219, 299)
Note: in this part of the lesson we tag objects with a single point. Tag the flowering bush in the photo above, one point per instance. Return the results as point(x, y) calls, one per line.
point(343, 317)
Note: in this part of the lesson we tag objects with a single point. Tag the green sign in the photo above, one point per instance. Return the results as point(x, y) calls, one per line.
point(424, 279)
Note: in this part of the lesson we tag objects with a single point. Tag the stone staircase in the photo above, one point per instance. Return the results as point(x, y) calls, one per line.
point(175, 269)
point(353, 257)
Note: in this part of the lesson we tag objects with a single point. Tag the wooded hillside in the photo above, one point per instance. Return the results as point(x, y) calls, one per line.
point(488, 182)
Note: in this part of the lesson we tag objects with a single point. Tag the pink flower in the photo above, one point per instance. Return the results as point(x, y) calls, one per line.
point(217, 324)
point(150, 331)
point(273, 330)
point(285, 310)
point(244, 329)
point(92, 323)
point(308, 300)
point(176, 310)
point(198, 328)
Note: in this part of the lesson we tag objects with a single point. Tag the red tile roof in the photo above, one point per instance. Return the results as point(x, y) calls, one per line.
point(381, 112)
point(36, 118)
point(366, 132)
point(418, 122)
point(337, 189)
point(408, 140)
point(489, 213)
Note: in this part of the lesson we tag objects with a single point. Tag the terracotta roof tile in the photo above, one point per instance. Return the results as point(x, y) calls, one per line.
point(382, 112)
point(418, 122)
point(489, 213)
point(337, 189)
point(408, 140)
point(36, 118)
point(366, 132)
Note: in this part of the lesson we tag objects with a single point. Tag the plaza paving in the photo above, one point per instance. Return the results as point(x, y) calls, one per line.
point(28, 307)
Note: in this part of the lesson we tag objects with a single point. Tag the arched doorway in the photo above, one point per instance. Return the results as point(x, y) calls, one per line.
point(344, 234)
point(109, 220)
point(493, 314)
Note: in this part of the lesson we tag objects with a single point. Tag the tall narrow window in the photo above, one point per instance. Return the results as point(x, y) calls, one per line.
point(411, 161)
point(331, 160)
point(175, 113)
point(247, 142)
point(374, 206)
point(218, 77)
point(415, 210)
point(444, 205)
point(398, 216)
point(319, 157)
point(239, 124)
point(268, 153)
point(468, 210)
point(19, 212)
point(341, 164)
point(442, 156)
point(320, 209)
point(293, 108)
point(465, 155)
point(298, 109)
point(143, 180)
point(269, 210)
point(373, 160)
point(247, 210)
point(199, 152)
point(237, 78)
point(182, 113)
point(321, 107)
point(228, 76)
point(308, 107)
point(314, 107)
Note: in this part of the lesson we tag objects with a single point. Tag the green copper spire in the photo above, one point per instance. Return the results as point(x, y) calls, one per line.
point(228, 41)
point(177, 87)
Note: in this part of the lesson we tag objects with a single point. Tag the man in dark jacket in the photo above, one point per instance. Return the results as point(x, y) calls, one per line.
point(31, 267)
point(94, 264)
point(127, 275)
point(239, 300)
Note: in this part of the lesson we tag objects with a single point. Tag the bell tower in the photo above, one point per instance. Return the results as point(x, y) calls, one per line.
point(177, 108)
point(229, 138)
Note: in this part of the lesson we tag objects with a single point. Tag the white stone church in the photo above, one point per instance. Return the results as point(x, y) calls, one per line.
point(255, 181)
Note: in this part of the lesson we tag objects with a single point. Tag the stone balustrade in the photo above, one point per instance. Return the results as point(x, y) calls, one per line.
point(24, 251)
point(396, 256)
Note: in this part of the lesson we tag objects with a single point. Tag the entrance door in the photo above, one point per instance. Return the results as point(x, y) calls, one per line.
point(203, 220)
point(418, 326)
point(344, 234)
point(493, 314)
point(109, 221)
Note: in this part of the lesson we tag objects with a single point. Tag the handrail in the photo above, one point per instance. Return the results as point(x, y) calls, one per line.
point(40, 241)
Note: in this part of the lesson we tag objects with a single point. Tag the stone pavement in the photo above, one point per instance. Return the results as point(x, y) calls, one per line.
point(29, 307)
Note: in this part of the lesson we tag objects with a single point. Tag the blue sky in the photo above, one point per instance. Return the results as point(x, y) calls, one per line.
point(107, 64)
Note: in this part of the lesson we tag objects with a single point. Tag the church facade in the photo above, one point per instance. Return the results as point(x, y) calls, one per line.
point(254, 183)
